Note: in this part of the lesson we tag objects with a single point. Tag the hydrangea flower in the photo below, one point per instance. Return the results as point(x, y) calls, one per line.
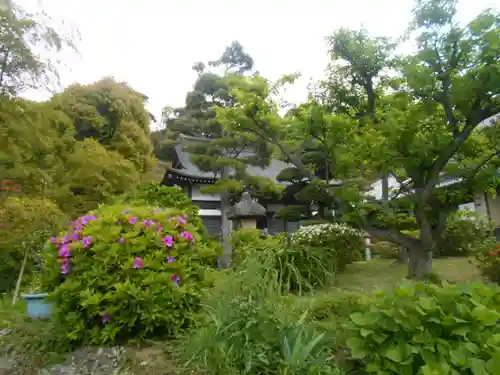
point(168, 241)
point(170, 259)
point(138, 263)
point(188, 236)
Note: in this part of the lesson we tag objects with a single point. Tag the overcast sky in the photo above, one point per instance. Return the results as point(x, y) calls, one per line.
point(152, 44)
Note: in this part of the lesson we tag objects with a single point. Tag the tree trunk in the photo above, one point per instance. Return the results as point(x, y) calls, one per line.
point(226, 226)
point(420, 264)
point(403, 256)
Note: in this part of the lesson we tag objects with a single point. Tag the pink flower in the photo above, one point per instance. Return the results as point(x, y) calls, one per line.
point(168, 241)
point(53, 240)
point(159, 229)
point(180, 220)
point(188, 236)
point(170, 259)
point(138, 262)
point(65, 267)
point(176, 279)
point(75, 237)
point(132, 220)
point(65, 251)
point(122, 241)
point(148, 223)
point(87, 241)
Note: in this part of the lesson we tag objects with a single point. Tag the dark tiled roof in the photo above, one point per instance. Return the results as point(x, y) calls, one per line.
point(190, 169)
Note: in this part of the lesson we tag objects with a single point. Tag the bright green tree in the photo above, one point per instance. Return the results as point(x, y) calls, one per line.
point(426, 130)
point(113, 114)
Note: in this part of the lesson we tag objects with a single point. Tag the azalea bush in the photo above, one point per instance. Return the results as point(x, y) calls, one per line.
point(488, 259)
point(127, 271)
point(154, 194)
point(421, 328)
point(345, 244)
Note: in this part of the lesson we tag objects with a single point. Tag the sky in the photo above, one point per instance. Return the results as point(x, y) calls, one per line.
point(152, 44)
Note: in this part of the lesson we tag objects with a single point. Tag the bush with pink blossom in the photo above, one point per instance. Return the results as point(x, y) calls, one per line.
point(122, 272)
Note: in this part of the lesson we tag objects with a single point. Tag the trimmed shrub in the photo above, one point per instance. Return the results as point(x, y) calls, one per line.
point(127, 271)
point(248, 330)
point(343, 243)
point(423, 328)
point(26, 224)
point(463, 234)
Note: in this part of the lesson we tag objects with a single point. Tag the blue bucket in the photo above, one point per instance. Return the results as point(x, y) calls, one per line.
point(37, 307)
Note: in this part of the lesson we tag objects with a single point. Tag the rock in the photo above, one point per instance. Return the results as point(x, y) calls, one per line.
point(7, 364)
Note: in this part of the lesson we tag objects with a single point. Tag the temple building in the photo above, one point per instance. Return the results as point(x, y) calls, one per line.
point(186, 174)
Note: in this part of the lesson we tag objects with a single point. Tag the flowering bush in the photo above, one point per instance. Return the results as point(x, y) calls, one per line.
point(488, 258)
point(345, 243)
point(121, 272)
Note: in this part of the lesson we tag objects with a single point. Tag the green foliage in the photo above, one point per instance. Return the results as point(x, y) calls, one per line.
point(26, 225)
point(127, 271)
point(423, 329)
point(385, 249)
point(248, 330)
point(464, 233)
point(299, 268)
point(488, 260)
point(113, 114)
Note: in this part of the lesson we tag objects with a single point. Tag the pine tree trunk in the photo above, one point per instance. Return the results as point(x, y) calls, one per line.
point(226, 225)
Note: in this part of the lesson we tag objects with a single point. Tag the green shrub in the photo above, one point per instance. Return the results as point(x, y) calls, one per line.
point(26, 224)
point(343, 243)
point(463, 234)
point(127, 271)
point(385, 250)
point(248, 330)
point(423, 328)
point(299, 268)
point(488, 260)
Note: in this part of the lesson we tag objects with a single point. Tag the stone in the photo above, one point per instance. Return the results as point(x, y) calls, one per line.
point(246, 208)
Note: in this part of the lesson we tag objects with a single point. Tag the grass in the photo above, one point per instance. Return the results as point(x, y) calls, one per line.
point(384, 273)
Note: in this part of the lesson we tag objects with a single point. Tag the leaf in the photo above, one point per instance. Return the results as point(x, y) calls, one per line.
point(493, 364)
point(399, 353)
point(477, 366)
point(459, 357)
point(486, 316)
point(356, 347)
point(366, 319)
